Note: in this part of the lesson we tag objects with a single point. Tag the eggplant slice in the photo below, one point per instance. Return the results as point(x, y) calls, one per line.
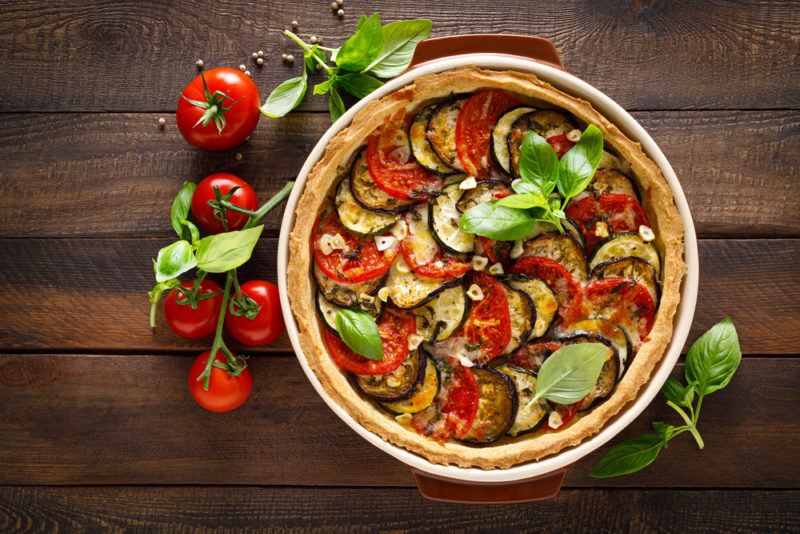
point(397, 385)
point(355, 217)
point(367, 193)
point(610, 161)
point(423, 394)
point(608, 331)
point(484, 192)
point(445, 221)
point(542, 227)
point(497, 406)
point(636, 269)
point(612, 182)
point(523, 317)
point(529, 416)
point(328, 310)
point(421, 147)
point(500, 136)
point(543, 298)
point(409, 290)
point(441, 317)
point(345, 295)
point(545, 122)
point(624, 245)
point(562, 248)
point(441, 132)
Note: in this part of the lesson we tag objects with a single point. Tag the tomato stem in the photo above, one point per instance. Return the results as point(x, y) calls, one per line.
point(218, 341)
point(279, 197)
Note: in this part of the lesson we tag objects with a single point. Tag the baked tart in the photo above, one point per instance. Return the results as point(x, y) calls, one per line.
point(466, 321)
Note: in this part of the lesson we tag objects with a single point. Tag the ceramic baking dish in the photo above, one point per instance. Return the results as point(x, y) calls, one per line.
point(533, 480)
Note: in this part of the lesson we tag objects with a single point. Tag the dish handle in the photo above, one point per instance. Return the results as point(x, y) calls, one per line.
point(525, 46)
point(456, 491)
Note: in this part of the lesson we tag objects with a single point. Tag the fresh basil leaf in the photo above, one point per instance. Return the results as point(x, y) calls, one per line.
point(364, 46)
point(568, 374)
point(673, 390)
point(358, 85)
point(223, 252)
point(155, 294)
point(538, 163)
point(359, 331)
point(286, 96)
point(174, 260)
point(180, 210)
point(688, 395)
point(713, 358)
point(523, 201)
point(496, 222)
point(578, 165)
point(194, 232)
point(664, 431)
point(628, 457)
point(335, 104)
point(324, 87)
point(399, 41)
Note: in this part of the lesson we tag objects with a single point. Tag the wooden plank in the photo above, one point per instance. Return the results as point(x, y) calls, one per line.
point(187, 509)
point(67, 294)
point(135, 55)
point(116, 174)
point(129, 420)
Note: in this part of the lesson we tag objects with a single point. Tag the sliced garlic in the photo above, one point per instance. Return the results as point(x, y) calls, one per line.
point(574, 135)
point(404, 419)
point(400, 230)
point(328, 243)
point(385, 242)
point(414, 341)
point(554, 420)
point(601, 229)
point(402, 266)
point(516, 250)
point(466, 362)
point(383, 294)
point(475, 292)
point(392, 382)
point(496, 269)
point(468, 183)
point(479, 263)
point(646, 233)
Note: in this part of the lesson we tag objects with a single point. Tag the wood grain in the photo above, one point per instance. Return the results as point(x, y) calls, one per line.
point(73, 419)
point(182, 509)
point(116, 174)
point(136, 55)
point(90, 294)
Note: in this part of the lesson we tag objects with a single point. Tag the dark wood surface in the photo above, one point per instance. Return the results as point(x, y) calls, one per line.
point(97, 429)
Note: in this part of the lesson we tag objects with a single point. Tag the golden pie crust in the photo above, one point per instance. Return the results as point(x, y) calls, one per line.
point(658, 203)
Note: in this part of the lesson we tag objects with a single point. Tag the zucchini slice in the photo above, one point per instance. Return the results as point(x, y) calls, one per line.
point(345, 295)
point(636, 269)
point(367, 193)
point(625, 245)
point(523, 317)
point(545, 122)
point(543, 298)
point(423, 394)
point(328, 311)
point(355, 217)
point(483, 192)
point(611, 161)
point(562, 248)
point(397, 385)
point(497, 406)
point(441, 132)
point(421, 147)
point(529, 416)
point(500, 136)
point(445, 219)
point(612, 181)
point(420, 238)
point(608, 331)
point(439, 318)
point(409, 290)
point(543, 227)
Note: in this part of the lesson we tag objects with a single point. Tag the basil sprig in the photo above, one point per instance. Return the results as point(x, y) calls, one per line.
point(372, 53)
point(222, 252)
point(542, 174)
point(710, 364)
point(359, 331)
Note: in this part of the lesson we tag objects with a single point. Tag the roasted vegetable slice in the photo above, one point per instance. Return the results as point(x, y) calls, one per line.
point(529, 416)
point(328, 310)
point(423, 253)
point(548, 123)
point(562, 248)
point(409, 290)
point(397, 385)
point(625, 245)
point(569, 225)
point(523, 317)
point(445, 219)
point(420, 146)
point(345, 295)
point(442, 132)
point(630, 267)
point(485, 191)
point(367, 193)
point(423, 394)
point(611, 181)
point(497, 406)
point(355, 217)
point(455, 406)
point(439, 318)
point(500, 136)
point(543, 298)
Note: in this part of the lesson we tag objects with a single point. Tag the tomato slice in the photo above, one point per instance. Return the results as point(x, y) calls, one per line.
point(495, 251)
point(360, 261)
point(622, 213)
point(440, 266)
point(487, 329)
point(555, 275)
point(455, 407)
point(394, 327)
point(560, 144)
point(392, 165)
point(622, 301)
point(474, 128)
point(533, 355)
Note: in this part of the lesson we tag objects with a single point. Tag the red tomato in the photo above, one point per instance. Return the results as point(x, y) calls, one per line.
point(267, 325)
point(622, 213)
point(244, 197)
point(221, 115)
point(622, 301)
point(567, 413)
point(393, 167)
point(455, 406)
point(488, 326)
point(495, 251)
point(474, 128)
point(360, 262)
point(532, 355)
point(560, 144)
point(195, 322)
point(225, 392)
point(394, 327)
point(555, 275)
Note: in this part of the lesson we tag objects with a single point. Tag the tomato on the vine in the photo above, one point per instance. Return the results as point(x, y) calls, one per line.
point(225, 392)
point(218, 109)
point(244, 197)
point(196, 322)
point(266, 325)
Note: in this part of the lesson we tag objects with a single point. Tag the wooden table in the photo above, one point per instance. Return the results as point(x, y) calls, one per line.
point(97, 430)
